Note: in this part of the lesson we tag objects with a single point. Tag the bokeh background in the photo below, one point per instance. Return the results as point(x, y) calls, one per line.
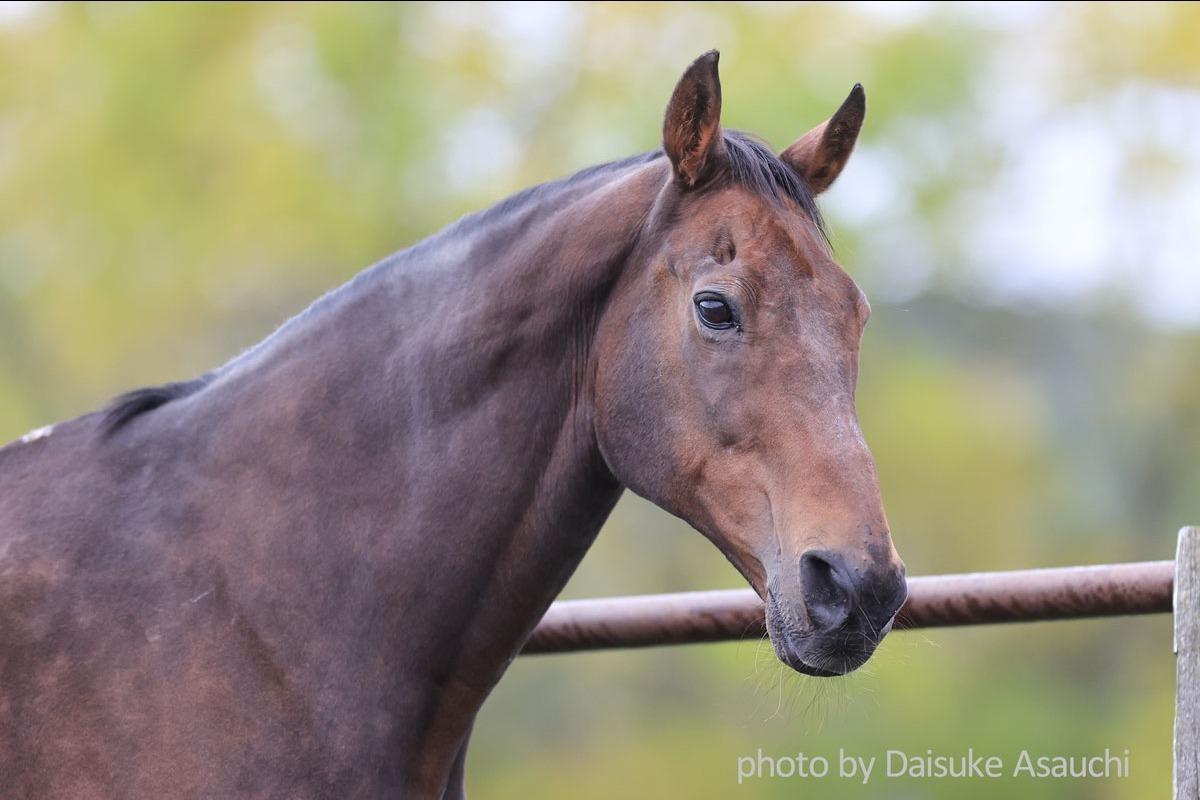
point(1023, 211)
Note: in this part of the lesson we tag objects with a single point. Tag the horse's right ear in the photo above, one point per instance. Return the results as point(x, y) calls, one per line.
point(692, 135)
point(820, 154)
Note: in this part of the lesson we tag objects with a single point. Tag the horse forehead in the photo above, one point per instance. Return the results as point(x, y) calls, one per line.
point(785, 256)
point(776, 243)
point(812, 287)
point(779, 232)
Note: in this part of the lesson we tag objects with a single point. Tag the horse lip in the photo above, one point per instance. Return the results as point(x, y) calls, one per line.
point(782, 639)
point(817, 672)
point(793, 660)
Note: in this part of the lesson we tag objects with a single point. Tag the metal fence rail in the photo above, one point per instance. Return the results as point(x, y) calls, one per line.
point(980, 598)
point(936, 601)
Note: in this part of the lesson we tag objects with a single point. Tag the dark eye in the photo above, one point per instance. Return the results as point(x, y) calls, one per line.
point(714, 311)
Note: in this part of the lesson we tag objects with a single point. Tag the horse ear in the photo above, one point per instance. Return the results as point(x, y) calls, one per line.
point(820, 154)
point(692, 126)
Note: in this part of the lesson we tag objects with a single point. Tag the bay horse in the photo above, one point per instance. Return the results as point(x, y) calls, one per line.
point(301, 574)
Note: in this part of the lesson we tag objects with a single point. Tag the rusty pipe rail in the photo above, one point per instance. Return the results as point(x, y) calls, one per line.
point(979, 598)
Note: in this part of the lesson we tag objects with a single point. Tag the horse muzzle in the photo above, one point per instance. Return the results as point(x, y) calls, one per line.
point(839, 617)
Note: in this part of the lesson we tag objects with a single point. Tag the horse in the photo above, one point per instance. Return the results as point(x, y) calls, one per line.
point(300, 574)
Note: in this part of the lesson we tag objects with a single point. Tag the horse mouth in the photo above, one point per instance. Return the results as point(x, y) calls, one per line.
point(816, 672)
point(816, 654)
point(787, 653)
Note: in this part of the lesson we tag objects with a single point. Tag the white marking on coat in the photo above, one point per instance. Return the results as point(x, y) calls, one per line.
point(38, 433)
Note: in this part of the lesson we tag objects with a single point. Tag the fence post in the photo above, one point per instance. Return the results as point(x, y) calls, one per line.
point(1187, 665)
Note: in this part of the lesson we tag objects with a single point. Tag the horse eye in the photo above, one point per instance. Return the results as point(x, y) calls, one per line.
point(714, 311)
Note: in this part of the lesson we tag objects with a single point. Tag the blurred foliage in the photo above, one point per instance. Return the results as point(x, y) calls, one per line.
point(177, 179)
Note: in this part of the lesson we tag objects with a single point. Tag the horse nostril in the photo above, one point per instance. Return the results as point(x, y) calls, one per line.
point(828, 594)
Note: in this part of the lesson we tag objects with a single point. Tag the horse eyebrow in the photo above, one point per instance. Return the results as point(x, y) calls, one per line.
point(723, 249)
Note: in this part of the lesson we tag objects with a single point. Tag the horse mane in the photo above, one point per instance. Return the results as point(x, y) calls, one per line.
point(133, 404)
point(751, 165)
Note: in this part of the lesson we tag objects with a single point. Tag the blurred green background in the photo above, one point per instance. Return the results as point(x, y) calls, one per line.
point(1023, 211)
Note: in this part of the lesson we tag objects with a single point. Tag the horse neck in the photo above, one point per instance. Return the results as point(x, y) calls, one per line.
point(451, 385)
point(428, 429)
point(522, 323)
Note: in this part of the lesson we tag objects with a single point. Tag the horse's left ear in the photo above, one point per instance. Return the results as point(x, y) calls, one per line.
point(820, 154)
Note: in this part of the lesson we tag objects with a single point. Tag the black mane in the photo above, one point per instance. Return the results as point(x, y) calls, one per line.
point(139, 401)
point(752, 166)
